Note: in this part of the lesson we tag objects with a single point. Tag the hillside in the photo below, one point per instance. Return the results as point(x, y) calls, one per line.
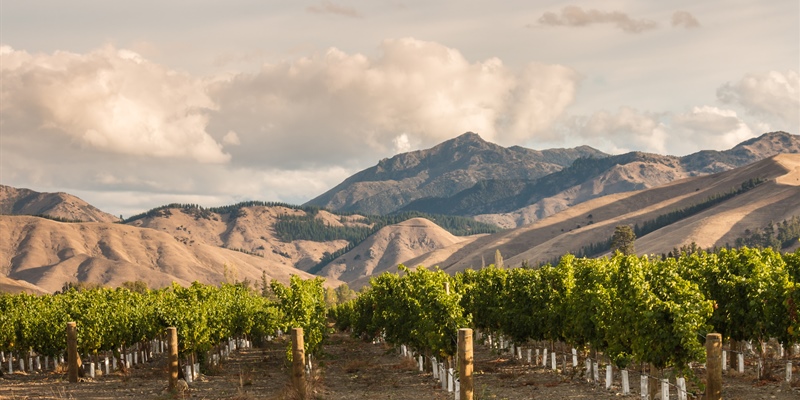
point(8, 285)
point(390, 246)
point(64, 206)
point(593, 221)
point(48, 254)
point(250, 229)
point(510, 203)
point(186, 242)
point(441, 171)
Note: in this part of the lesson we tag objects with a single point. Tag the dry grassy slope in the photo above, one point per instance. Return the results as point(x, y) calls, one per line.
point(772, 201)
point(388, 247)
point(15, 201)
point(652, 171)
point(8, 285)
point(620, 178)
point(570, 229)
point(48, 254)
point(250, 229)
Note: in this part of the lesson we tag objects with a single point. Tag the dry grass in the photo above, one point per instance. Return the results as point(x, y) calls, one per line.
point(406, 363)
point(357, 365)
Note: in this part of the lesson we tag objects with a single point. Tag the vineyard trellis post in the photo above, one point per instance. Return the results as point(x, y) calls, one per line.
point(172, 337)
point(298, 362)
point(72, 351)
point(465, 359)
point(714, 366)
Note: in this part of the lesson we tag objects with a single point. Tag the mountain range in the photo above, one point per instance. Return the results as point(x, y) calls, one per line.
point(551, 201)
point(443, 170)
point(531, 185)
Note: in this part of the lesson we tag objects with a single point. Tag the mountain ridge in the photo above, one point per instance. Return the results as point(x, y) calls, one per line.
point(448, 167)
point(524, 201)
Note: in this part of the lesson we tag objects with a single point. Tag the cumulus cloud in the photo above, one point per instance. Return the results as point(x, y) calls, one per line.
point(337, 106)
point(327, 7)
point(708, 127)
point(684, 19)
point(704, 127)
point(770, 93)
point(108, 100)
point(112, 120)
point(623, 130)
point(577, 16)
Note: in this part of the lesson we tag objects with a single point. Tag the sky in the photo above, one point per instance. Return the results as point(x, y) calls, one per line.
point(133, 105)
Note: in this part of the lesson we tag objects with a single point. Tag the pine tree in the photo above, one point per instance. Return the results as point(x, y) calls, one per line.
point(623, 240)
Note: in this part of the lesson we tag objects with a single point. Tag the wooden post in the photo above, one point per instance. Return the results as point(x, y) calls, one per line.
point(72, 351)
point(465, 360)
point(172, 338)
point(714, 366)
point(298, 362)
point(653, 385)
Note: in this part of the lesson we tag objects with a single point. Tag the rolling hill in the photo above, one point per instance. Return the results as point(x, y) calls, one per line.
point(390, 246)
point(63, 206)
point(48, 254)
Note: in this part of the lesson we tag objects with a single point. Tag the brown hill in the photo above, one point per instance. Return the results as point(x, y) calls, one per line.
point(8, 285)
point(250, 229)
point(594, 221)
point(64, 206)
point(390, 246)
point(48, 253)
point(442, 171)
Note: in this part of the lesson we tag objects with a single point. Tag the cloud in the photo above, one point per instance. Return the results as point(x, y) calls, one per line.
point(684, 19)
point(110, 120)
point(337, 107)
point(107, 100)
point(622, 131)
point(327, 7)
point(401, 144)
point(577, 16)
point(704, 127)
point(708, 127)
point(231, 138)
point(770, 93)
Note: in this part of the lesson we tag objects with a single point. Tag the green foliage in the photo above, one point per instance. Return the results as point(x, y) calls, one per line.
point(108, 319)
point(792, 333)
point(749, 287)
point(673, 313)
point(414, 309)
point(303, 306)
point(343, 315)
point(628, 307)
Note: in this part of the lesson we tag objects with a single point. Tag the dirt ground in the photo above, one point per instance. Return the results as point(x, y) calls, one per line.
point(352, 369)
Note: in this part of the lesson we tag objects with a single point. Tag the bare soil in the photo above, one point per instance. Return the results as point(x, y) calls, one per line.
point(352, 369)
